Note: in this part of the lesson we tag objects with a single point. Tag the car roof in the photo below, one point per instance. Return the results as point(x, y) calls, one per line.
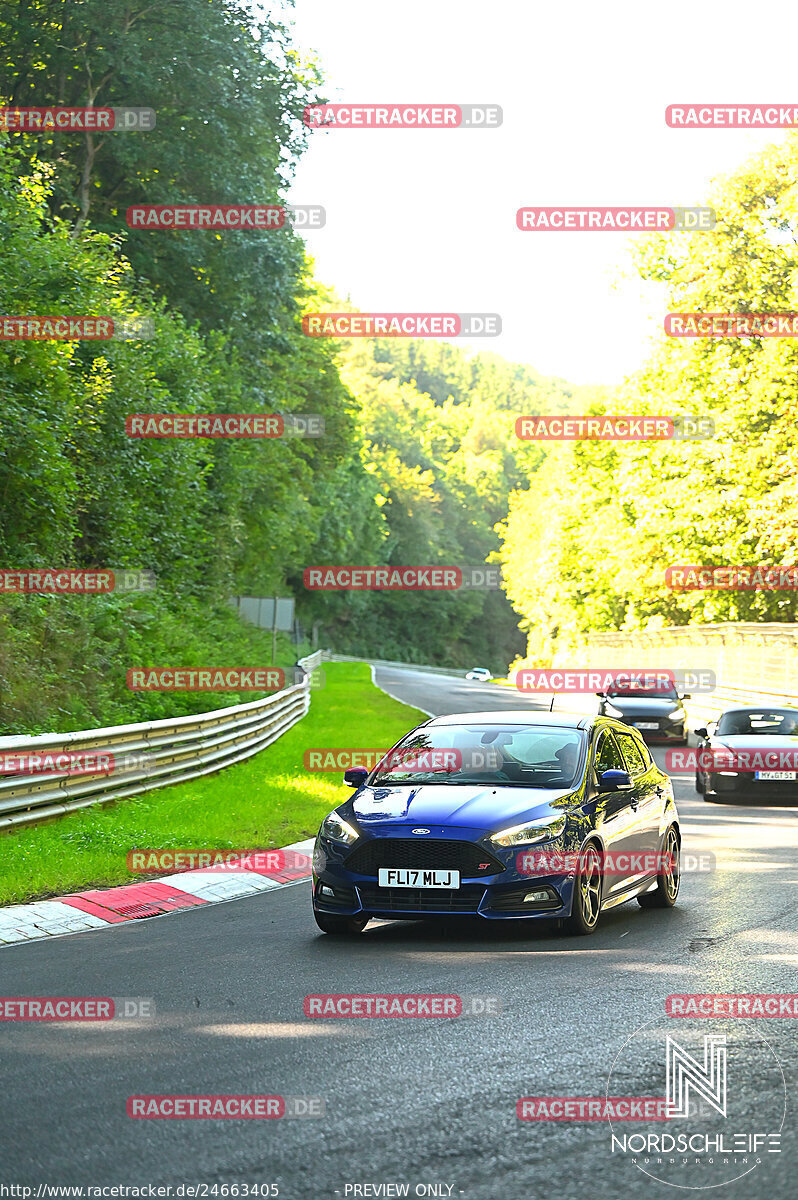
point(516, 716)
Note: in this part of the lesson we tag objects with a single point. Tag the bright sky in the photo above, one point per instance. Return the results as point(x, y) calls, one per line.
point(425, 220)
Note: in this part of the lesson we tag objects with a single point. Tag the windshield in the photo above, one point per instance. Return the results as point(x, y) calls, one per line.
point(760, 722)
point(540, 756)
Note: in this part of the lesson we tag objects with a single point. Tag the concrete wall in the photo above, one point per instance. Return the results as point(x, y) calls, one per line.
point(751, 661)
point(743, 654)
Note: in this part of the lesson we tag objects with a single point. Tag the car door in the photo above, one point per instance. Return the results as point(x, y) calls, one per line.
point(616, 816)
point(649, 791)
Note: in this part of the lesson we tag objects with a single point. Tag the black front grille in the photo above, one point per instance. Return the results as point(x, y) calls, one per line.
point(463, 900)
point(424, 853)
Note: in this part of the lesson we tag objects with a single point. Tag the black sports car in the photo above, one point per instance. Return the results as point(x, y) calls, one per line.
point(658, 713)
point(751, 752)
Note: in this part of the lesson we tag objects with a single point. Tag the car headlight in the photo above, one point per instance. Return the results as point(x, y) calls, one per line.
point(611, 711)
point(677, 712)
point(522, 835)
point(335, 828)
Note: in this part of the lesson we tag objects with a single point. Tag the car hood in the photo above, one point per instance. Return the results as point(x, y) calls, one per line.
point(632, 706)
point(465, 806)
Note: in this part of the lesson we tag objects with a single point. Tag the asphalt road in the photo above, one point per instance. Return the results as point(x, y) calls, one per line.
point(440, 695)
point(423, 1101)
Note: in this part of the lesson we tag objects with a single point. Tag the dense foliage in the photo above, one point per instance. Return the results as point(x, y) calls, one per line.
point(419, 454)
point(418, 451)
point(619, 514)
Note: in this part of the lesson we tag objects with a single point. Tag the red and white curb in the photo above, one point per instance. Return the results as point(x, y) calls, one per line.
point(81, 911)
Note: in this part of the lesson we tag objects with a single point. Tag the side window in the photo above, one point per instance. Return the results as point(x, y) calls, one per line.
point(632, 753)
point(608, 756)
point(646, 753)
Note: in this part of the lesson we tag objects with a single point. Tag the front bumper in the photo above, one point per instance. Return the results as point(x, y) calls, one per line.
point(499, 896)
point(746, 787)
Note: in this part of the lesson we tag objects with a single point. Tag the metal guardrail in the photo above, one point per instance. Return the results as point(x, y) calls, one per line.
point(154, 754)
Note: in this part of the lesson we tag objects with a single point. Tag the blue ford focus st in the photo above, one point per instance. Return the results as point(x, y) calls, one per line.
point(501, 815)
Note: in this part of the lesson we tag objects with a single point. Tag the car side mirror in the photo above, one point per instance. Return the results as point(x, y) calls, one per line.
point(686, 696)
point(356, 776)
point(601, 695)
point(703, 732)
point(614, 780)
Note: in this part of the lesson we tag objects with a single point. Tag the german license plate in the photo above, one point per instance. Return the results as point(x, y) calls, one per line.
point(775, 774)
point(394, 877)
point(646, 725)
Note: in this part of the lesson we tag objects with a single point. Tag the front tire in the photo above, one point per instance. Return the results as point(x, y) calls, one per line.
point(340, 926)
point(586, 906)
point(700, 786)
point(667, 889)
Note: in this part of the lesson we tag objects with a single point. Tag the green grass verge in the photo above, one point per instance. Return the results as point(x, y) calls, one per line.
point(269, 800)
